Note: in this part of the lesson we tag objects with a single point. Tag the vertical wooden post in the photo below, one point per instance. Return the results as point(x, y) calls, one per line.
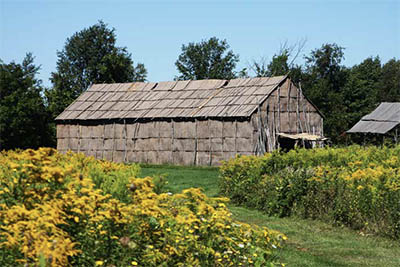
point(79, 138)
point(298, 111)
point(278, 125)
point(159, 139)
point(104, 140)
point(209, 140)
point(69, 137)
point(236, 136)
point(279, 109)
point(307, 125)
point(125, 143)
point(90, 138)
point(172, 141)
point(288, 106)
point(222, 139)
point(267, 128)
point(259, 139)
point(195, 142)
point(273, 128)
point(112, 154)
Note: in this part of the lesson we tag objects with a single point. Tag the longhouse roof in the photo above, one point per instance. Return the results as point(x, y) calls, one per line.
point(173, 99)
point(383, 119)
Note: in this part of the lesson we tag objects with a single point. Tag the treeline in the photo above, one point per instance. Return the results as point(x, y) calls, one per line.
point(343, 94)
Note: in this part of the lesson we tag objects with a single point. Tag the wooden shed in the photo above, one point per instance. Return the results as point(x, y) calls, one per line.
point(186, 122)
point(384, 120)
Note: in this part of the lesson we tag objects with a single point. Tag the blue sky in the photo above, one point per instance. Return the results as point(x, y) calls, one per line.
point(154, 31)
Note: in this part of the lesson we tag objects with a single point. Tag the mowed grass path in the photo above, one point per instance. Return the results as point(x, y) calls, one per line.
point(310, 242)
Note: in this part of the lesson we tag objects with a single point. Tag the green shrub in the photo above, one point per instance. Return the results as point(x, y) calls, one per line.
point(54, 211)
point(355, 186)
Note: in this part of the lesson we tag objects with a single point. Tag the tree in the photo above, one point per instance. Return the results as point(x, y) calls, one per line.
point(207, 60)
point(23, 116)
point(90, 56)
point(282, 63)
point(389, 90)
point(360, 93)
point(279, 64)
point(323, 84)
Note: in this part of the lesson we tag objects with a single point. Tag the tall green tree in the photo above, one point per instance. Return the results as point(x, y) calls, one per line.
point(90, 56)
point(389, 90)
point(323, 84)
point(360, 93)
point(282, 63)
point(279, 64)
point(23, 116)
point(208, 59)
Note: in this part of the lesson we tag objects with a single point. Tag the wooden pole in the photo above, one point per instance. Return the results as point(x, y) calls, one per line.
point(278, 125)
point(223, 139)
point(267, 128)
point(79, 138)
point(126, 140)
point(209, 141)
point(279, 109)
point(259, 136)
point(69, 137)
point(236, 136)
point(288, 106)
point(307, 126)
point(298, 112)
point(195, 143)
point(91, 139)
point(273, 128)
point(112, 154)
point(173, 141)
point(104, 139)
point(159, 138)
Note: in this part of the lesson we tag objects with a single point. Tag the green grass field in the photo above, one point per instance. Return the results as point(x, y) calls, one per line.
point(310, 243)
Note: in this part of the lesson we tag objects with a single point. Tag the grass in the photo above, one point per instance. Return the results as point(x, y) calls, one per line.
point(310, 242)
point(180, 178)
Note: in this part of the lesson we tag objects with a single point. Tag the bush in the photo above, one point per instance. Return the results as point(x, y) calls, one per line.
point(54, 210)
point(355, 186)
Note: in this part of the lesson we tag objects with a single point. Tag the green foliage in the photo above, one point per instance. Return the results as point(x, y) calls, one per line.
point(112, 180)
point(51, 210)
point(311, 242)
point(389, 89)
point(23, 116)
point(279, 64)
point(323, 85)
point(353, 186)
point(90, 56)
point(207, 60)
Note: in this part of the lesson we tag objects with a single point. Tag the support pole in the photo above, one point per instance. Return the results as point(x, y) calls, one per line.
point(112, 154)
point(79, 138)
point(195, 142)
point(104, 140)
point(209, 140)
point(126, 140)
point(172, 140)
